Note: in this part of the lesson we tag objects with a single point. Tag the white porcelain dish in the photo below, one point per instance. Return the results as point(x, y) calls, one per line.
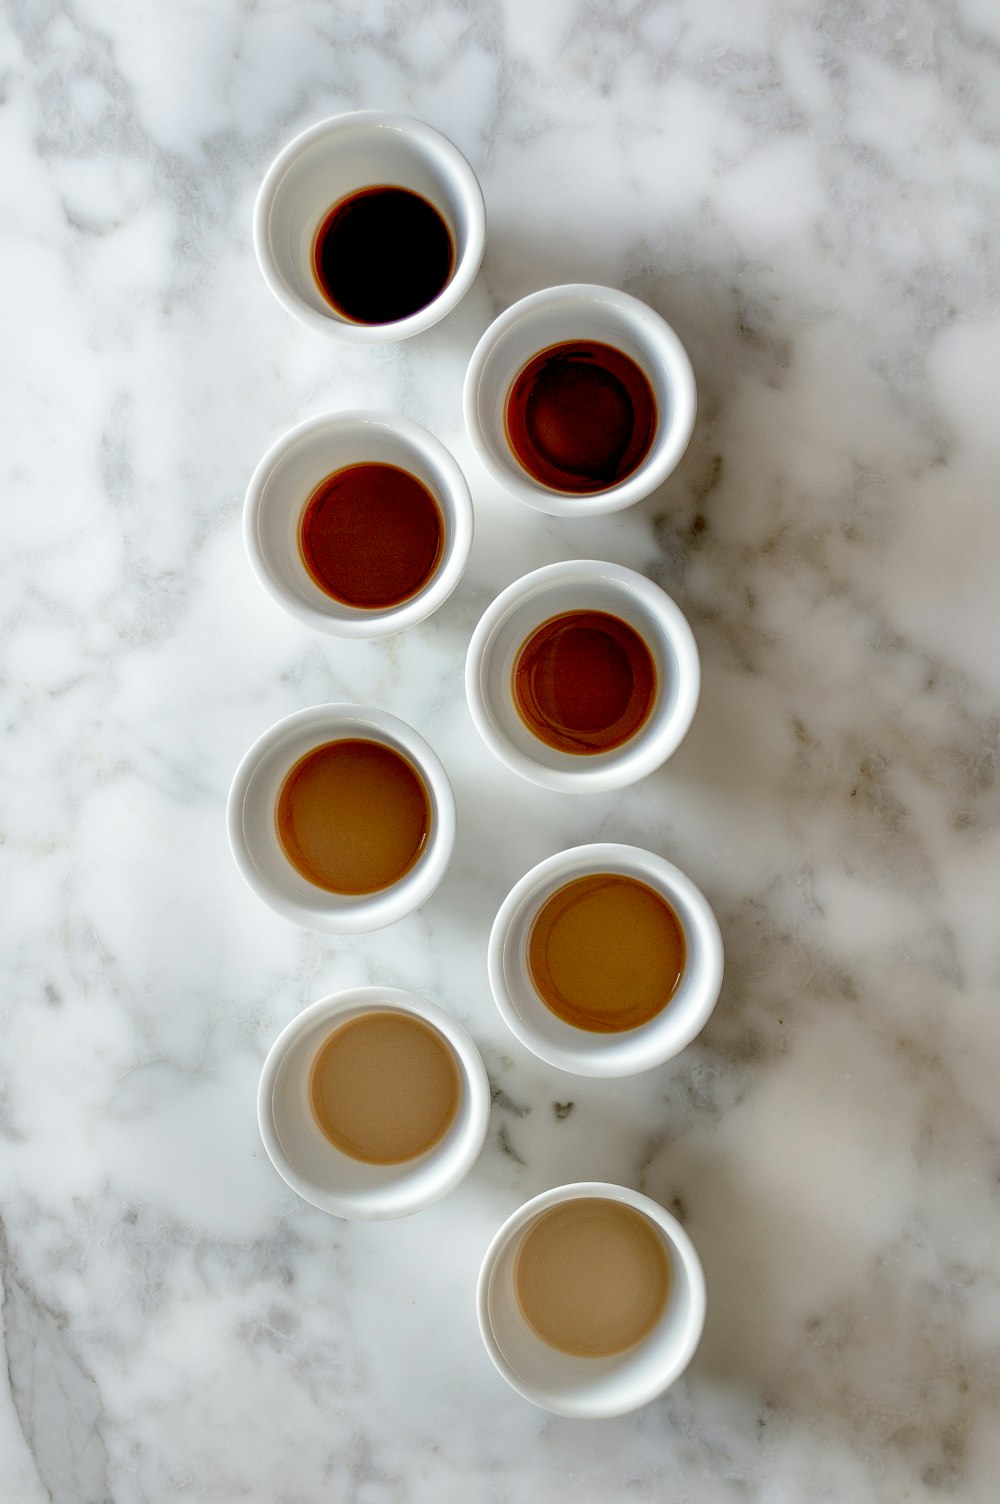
point(253, 835)
point(580, 1051)
point(292, 469)
point(321, 1173)
point(590, 1388)
point(578, 311)
point(587, 585)
point(338, 157)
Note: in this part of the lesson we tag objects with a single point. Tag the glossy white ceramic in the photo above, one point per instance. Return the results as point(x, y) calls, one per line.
point(320, 1172)
point(579, 311)
point(337, 157)
point(253, 835)
point(581, 585)
point(590, 1388)
point(579, 1050)
point(292, 469)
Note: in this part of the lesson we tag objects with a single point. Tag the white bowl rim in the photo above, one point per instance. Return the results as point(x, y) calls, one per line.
point(667, 448)
point(578, 861)
point(386, 905)
point(644, 753)
point(465, 272)
point(366, 623)
point(680, 1239)
point(474, 1079)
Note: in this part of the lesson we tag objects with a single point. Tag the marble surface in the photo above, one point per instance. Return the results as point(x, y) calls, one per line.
point(809, 192)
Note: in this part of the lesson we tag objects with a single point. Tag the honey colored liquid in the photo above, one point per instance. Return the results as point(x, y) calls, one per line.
point(580, 417)
point(592, 1277)
point(353, 816)
point(606, 953)
point(371, 536)
point(384, 1087)
point(584, 682)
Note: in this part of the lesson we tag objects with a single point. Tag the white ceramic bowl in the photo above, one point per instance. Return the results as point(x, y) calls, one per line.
point(579, 311)
point(253, 835)
point(292, 469)
point(581, 585)
point(338, 157)
point(579, 1050)
point(590, 1388)
point(320, 1172)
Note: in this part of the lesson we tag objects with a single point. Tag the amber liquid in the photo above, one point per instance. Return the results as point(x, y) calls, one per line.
point(382, 254)
point(353, 816)
point(580, 417)
point(371, 536)
point(592, 1277)
point(385, 1087)
point(584, 682)
point(606, 953)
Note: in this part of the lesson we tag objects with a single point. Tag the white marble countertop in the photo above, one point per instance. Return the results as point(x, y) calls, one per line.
point(809, 193)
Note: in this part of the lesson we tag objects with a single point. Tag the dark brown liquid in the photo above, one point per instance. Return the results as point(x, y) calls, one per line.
point(371, 535)
point(584, 682)
point(606, 953)
point(353, 816)
point(580, 417)
point(385, 1087)
point(382, 254)
point(592, 1277)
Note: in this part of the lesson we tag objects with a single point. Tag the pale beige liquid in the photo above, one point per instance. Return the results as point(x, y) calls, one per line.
point(385, 1087)
point(592, 1277)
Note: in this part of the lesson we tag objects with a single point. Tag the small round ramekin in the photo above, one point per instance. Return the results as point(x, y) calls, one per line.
point(320, 1172)
point(289, 473)
point(590, 1388)
point(581, 585)
point(338, 157)
point(581, 1051)
point(253, 835)
point(554, 316)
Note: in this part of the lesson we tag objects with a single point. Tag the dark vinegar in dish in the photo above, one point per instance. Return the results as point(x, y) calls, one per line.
point(581, 417)
point(382, 254)
point(584, 682)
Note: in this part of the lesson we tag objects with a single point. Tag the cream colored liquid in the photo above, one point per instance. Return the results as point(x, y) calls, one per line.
point(385, 1087)
point(592, 1277)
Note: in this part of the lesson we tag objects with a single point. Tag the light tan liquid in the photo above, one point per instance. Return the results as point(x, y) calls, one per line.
point(606, 953)
point(353, 816)
point(592, 1277)
point(385, 1087)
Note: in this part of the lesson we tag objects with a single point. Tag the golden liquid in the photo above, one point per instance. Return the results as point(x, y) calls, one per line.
point(592, 1277)
point(353, 816)
point(606, 953)
point(385, 1087)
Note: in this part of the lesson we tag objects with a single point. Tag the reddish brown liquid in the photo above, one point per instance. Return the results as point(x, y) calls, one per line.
point(581, 416)
point(606, 953)
point(382, 254)
point(353, 816)
point(584, 682)
point(371, 536)
point(385, 1087)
